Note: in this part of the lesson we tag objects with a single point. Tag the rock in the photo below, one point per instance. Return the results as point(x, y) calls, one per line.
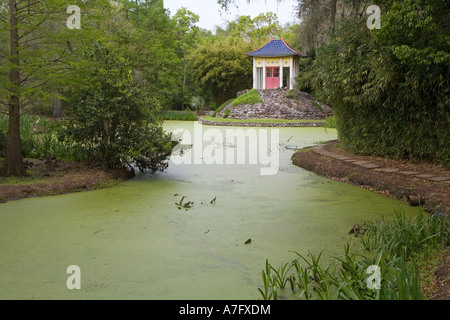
point(415, 200)
point(276, 106)
point(358, 229)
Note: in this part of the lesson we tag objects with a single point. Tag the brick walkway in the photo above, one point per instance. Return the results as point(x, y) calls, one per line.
point(371, 166)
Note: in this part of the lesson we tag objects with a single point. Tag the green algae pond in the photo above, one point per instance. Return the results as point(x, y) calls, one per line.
point(202, 229)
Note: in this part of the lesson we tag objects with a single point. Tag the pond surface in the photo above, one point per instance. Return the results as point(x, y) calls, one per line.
point(133, 242)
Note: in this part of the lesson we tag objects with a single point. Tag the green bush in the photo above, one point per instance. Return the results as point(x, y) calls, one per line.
point(41, 138)
point(197, 103)
point(226, 113)
point(116, 123)
point(389, 88)
point(330, 122)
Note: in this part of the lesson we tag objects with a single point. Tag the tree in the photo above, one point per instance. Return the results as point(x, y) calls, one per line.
point(14, 162)
point(221, 68)
point(34, 64)
point(256, 31)
point(225, 4)
point(115, 121)
point(389, 88)
point(319, 19)
point(187, 36)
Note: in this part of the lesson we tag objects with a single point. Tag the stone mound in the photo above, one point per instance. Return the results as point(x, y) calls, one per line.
point(275, 105)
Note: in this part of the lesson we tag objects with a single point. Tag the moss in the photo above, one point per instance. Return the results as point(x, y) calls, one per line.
point(251, 97)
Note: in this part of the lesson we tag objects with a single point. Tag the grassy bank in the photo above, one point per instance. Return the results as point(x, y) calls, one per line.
point(396, 256)
point(185, 115)
point(215, 119)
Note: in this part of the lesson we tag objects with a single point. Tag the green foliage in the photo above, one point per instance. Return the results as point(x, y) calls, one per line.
point(221, 68)
point(292, 94)
point(330, 122)
point(251, 97)
point(186, 115)
point(41, 138)
point(405, 237)
point(223, 105)
point(394, 246)
point(226, 113)
point(389, 88)
point(257, 31)
point(114, 120)
point(197, 102)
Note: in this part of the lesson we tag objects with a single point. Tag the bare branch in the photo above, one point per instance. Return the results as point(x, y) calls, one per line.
point(4, 103)
point(3, 18)
point(34, 28)
point(29, 5)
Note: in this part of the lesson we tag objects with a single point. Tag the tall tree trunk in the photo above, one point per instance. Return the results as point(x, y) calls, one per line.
point(14, 161)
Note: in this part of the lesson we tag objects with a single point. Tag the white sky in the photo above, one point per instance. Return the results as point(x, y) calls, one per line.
point(209, 12)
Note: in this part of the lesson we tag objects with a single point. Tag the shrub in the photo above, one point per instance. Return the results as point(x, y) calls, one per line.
point(115, 122)
point(197, 103)
point(330, 122)
point(226, 113)
point(389, 88)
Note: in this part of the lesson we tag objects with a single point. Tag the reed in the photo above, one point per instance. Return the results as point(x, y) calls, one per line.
point(391, 246)
point(186, 115)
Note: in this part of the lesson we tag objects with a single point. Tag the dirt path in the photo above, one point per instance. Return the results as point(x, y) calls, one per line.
point(52, 178)
point(429, 183)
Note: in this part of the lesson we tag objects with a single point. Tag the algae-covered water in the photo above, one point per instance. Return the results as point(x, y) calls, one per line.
point(133, 242)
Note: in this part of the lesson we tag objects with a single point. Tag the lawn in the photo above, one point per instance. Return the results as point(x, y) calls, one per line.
point(265, 120)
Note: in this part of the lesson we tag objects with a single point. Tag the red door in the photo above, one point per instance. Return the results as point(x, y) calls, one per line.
point(272, 77)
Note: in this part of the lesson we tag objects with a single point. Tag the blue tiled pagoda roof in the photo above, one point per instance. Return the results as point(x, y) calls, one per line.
point(275, 48)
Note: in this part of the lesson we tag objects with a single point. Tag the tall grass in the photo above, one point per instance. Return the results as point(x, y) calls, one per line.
point(186, 115)
point(391, 246)
point(406, 236)
point(41, 138)
point(330, 122)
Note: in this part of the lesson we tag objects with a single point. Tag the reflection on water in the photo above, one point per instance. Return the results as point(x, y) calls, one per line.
point(134, 241)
